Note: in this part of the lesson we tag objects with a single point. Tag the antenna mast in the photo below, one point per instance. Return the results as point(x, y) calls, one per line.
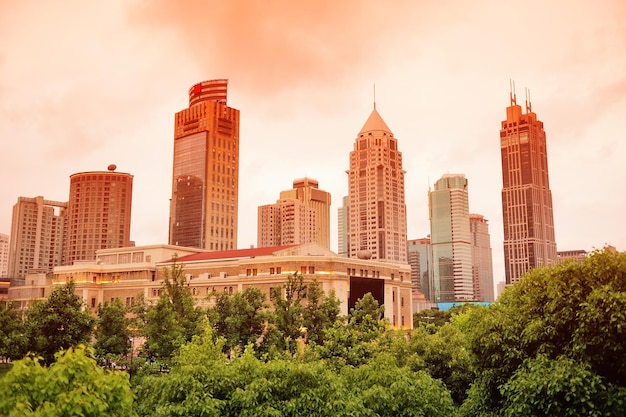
point(374, 96)
point(512, 92)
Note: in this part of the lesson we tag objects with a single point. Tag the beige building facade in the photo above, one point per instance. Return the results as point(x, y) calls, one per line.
point(126, 272)
point(38, 231)
point(301, 215)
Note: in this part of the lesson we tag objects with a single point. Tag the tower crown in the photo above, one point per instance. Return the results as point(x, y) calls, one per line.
point(212, 90)
point(375, 123)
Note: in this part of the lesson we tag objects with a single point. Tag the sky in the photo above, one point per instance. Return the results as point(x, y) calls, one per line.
point(85, 84)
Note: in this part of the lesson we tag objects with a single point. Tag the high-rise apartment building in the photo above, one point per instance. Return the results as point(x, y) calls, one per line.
point(301, 215)
point(205, 179)
point(450, 239)
point(4, 255)
point(420, 258)
point(38, 230)
point(98, 213)
point(526, 197)
point(482, 264)
point(376, 206)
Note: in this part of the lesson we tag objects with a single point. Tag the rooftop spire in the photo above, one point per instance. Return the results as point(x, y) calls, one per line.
point(374, 96)
point(375, 123)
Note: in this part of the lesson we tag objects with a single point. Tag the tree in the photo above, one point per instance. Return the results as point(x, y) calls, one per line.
point(57, 323)
point(388, 390)
point(444, 356)
point(11, 333)
point(575, 310)
point(559, 387)
point(174, 319)
point(112, 333)
point(355, 340)
point(287, 326)
point(72, 386)
point(164, 333)
point(240, 318)
point(319, 313)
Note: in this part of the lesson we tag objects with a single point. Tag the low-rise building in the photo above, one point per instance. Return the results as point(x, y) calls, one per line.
point(126, 272)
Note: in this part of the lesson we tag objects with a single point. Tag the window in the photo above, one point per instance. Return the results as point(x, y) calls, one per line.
point(93, 302)
point(311, 269)
point(272, 270)
point(303, 270)
point(402, 303)
point(248, 271)
point(254, 271)
point(278, 270)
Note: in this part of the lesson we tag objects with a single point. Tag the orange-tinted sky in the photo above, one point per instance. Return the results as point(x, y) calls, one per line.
point(87, 84)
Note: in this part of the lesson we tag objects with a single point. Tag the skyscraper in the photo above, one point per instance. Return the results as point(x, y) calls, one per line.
point(420, 257)
point(376, 206)
point(482, 265)
point(526, 197)
point(205, 179)
point(98, 213)
point(38, 230)
point(342, 229)
point(301, 215)
point(451, 240)
point(4, 255)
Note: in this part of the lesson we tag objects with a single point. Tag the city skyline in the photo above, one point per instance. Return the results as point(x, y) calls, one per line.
point(70, 106)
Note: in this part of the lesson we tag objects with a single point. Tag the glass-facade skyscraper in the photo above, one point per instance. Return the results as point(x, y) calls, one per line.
point(526, 197)
point(205, 179)
point(451, 240)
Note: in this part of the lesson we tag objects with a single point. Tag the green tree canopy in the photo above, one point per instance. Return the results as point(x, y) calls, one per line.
point(576, 310)
point(12, 339)
point(72, 386)
point(57, 323)
point(174, 319)
point(112, 333)
point(240, 317)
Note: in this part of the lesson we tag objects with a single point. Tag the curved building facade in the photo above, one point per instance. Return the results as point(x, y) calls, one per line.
point(98, 213)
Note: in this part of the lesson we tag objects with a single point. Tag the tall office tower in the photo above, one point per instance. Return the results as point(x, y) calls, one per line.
point(421, 260)
point(482, 265)
point(306, 190)
point(4, 255)
point(205, 179)
point(342, 228)
point(451, 239)
point(376, 207)
point(98, 213)
point(526, 198)
point(38, 230)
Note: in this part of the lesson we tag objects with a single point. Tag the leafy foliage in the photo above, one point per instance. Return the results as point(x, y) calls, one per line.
point(57, 323)
point(174, 319)
point(574, 311)
point(239, 317)
point(72, 386)
point(559, 387)
point(112, 333)
point(12, 338)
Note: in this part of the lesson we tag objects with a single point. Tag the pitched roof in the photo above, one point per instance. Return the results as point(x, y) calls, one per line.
point(233, 254)
point(375, 123)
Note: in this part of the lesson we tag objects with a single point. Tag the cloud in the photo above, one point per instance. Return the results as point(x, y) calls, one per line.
point(273, 47)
